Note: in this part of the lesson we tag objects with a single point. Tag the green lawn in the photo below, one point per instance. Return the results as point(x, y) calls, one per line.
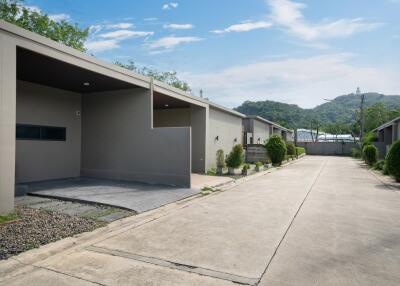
point(9, 217)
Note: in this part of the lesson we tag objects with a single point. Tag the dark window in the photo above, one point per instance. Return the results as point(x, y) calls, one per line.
point(35, 132)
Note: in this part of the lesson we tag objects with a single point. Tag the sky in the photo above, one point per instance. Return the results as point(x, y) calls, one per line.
point(299, 52)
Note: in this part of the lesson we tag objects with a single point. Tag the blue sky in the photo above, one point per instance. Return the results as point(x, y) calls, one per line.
point(298, 52)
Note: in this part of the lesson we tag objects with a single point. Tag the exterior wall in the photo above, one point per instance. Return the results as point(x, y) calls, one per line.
point(290, 136)
point(8, 85)
point(398, 131)
point(174, 117)
point(260, 130)
point(38, 160)
point(227, 127)
point(195, 117)
point(118, 141)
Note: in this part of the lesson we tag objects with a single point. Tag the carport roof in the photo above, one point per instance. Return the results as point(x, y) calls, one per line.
point(262, 119)
point(27, 39)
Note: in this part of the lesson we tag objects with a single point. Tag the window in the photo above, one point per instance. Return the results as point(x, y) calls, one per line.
point(35, 132)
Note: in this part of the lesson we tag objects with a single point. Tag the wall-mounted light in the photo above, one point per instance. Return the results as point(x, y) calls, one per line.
point(235, 140)
point(216, 138)
point(166, 105)
point(86, 83)
point(259, 139)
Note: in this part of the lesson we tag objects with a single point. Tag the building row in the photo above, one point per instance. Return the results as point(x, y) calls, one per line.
point(65, 114)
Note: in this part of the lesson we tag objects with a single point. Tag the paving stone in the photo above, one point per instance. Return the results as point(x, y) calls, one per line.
point(113, 216)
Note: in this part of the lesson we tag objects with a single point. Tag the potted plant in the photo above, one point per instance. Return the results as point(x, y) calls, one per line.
point(235, 160)
point(220, 162)
point(268, 164)
point(259, 167)
point(246, 169)
point(276, 149)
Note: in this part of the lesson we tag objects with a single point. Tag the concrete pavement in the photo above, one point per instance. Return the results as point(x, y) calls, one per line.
point(320, 221)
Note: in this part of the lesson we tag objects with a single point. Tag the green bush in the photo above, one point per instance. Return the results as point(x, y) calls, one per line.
point(268, 161)
point(291, 149)
point(220, 158)
point(393, 161)
point(246, 167)
point(300, 151)
point(356, 153)
point(259, 164)
point(369, 138)
point(379, 165)
point(235, 157)
point(276, 149)
point(370, 153)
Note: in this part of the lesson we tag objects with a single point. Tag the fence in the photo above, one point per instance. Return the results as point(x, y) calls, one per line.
point(327, 148)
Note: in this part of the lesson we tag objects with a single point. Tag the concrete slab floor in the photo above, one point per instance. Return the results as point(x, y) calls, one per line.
point(200, 181)
point(129, 195)
point(320, 221)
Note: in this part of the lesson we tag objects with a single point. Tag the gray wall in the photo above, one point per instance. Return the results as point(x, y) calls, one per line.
point(119, 143)
point(327, 148)
point(171, 117)
point(38, 160)
point(227, 127)
point(261, 130)
point(8, 85)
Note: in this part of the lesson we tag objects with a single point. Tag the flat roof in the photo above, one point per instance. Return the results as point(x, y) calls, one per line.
point(125, 74)
point(262, 119)
point(387, 124)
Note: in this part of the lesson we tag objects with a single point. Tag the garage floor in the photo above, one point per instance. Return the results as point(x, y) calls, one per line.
point(133, 196)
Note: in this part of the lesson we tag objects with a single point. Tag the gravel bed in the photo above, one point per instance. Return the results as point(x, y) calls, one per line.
point(37, 227)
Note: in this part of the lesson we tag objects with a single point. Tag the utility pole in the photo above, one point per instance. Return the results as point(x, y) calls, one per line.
point(362, 118)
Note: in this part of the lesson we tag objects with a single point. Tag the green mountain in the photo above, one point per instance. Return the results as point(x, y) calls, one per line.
point(343, 109)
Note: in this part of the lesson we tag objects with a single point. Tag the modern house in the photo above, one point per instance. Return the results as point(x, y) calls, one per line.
point(65, 114)
point(387, 134)
point(257, 130)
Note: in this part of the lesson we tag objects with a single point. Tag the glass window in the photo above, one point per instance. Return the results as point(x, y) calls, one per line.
point(35, 132)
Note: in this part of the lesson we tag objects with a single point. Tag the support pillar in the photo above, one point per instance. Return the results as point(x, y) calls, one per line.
point(8, 88)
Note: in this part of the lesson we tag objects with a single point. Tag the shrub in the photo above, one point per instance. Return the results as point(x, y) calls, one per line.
point(259, 164)
point(379, 165)
point(268, 161)
point(291, 149)
point(220, 158)
point(211, 172)
point(393, 161)
point(276, 149)
point(300, 151)
point(356, 153)
point(370, 153)
point(369, 138)
point(246, 167)
point(235, 157)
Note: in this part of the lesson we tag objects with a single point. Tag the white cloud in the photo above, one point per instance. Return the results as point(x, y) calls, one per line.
point(287, 14)
point(150, 19)
point(171, 42)
point(101, 46)
point(99, 27)
point(124, 34)
point(60, 17)
point(244, 27)
point(178, 26)
point(170, 5)
point(303, 81)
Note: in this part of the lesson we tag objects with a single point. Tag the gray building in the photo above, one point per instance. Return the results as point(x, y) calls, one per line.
point(257, 130)
point(65, 114)
point(387, 134)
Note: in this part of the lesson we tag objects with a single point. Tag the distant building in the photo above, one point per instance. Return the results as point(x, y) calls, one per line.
point(306, 135)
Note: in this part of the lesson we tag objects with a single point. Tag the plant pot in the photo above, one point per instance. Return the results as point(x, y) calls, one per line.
point(259, 168)
point(246, 172)
point(222, 170)
point(269, 165)
point(234, 171)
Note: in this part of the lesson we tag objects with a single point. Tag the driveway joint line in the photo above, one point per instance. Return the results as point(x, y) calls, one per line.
point(292, 221)
point(176, 265)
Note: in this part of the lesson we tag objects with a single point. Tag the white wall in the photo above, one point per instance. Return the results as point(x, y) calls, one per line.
point(227, 127)
point(261, 130)
point(119, 143)
point(38, 160)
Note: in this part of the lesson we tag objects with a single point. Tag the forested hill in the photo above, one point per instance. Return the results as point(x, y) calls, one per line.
point(342, 109)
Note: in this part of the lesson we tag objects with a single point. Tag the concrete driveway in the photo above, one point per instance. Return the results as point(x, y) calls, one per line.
point(320, 221)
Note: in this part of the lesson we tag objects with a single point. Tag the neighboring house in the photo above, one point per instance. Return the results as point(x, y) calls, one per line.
point(306, 135)
point(387, 134)
point(65, 114)
point(337, 138)
point(257, 130)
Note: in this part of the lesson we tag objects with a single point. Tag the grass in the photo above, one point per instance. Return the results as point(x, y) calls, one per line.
point(8, 217)
point(207, 190)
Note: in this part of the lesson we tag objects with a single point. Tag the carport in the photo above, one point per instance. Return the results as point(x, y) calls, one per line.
point(67, 115)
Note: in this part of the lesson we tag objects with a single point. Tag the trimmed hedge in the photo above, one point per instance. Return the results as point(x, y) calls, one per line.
point(300, 151)
point(276, 149)
point(291, 149)
point(370, 153)
point(393, 161)
point(235, 157)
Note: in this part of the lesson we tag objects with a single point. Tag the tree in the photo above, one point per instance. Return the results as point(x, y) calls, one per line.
point(35, 21)
point(170, 77)
point(378, 114)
